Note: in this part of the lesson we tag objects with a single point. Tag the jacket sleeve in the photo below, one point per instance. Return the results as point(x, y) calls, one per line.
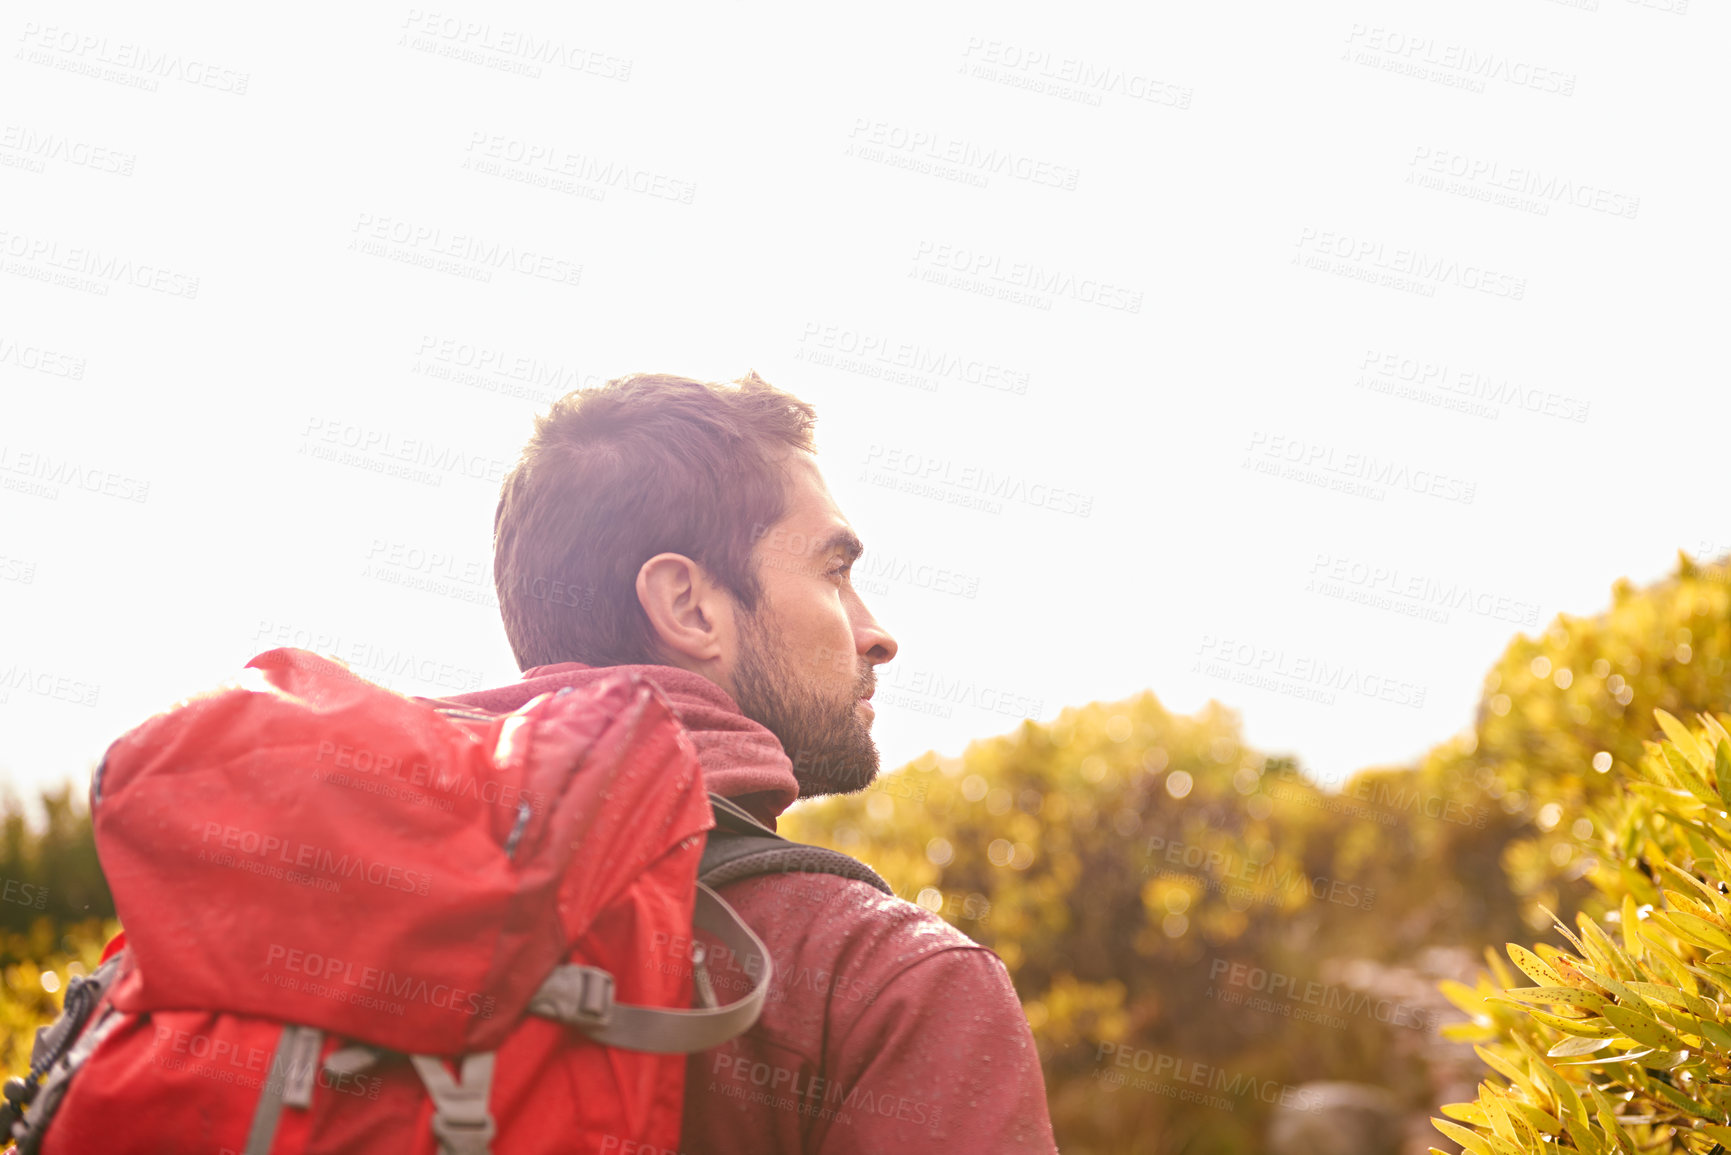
point(942, 1060)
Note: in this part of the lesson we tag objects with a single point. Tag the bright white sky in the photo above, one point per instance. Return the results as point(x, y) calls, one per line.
point(737, 187)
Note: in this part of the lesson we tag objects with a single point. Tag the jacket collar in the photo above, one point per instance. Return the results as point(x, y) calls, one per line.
point(741, 760)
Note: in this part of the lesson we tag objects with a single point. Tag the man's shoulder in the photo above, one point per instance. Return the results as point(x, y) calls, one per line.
point(856, 930)
point(862, 1012)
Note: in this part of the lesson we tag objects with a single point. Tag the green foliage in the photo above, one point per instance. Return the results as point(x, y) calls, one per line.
point(1624, 1043)
point(51, 870)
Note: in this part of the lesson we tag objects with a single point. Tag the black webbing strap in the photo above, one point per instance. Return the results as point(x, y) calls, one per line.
point(742, 847)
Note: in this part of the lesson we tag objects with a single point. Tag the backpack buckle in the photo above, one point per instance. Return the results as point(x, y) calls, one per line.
point(462, 1123)
point(594, 997)
point(577, 995)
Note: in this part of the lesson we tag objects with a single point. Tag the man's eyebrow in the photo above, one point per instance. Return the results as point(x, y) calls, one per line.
point(844, 541)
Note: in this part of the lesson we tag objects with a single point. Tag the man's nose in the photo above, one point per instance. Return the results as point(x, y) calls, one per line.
point(873, 642)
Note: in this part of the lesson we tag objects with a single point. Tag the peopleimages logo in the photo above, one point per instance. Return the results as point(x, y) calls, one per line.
point(35, 148)
point(430, 459)
point(107, 268)
point(439, 777)
point(989, 267)
point(1384, 801)
point(52, 472)
point(1384, 371)
point(545, 164)
point(1275, 667)
point(1249, 879)
point(1543, 188)
point(883, 141)
point(1068, 77)
point(860, 351)
point(228, 845)
point(47, 684)
point(321, 970)
point(1425, 56)
point(516, 46)
point(1168, 1070)
point(94, 55)
point(22, 893)
point(1267, 451)
point(40, 360)
point(1408, 267)
point(1413, 594)
point(468, 254)
point(806, 1093)
point(945, 473)
point(225, 1061)
point(1280, 990)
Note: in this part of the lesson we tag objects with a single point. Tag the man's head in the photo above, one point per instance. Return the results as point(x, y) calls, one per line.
point(663, 520)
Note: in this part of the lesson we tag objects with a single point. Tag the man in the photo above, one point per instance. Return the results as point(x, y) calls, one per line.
point(684, 529)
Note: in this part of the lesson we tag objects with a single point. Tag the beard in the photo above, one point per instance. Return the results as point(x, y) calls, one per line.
point(827, 741)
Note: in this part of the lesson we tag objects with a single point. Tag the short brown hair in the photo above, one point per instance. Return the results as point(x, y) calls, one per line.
point(614, 475)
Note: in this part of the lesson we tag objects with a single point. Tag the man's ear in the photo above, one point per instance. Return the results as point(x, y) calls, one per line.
point(689, 613)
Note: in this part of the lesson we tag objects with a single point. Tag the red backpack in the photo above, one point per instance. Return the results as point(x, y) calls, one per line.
point(360, 922)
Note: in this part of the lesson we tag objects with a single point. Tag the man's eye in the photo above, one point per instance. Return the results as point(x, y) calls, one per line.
point(841, 570)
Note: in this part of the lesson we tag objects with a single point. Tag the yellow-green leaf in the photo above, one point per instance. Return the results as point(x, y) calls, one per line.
point(1540, 1120)
point(1554, 996)
point(1466, 1113)
point(1690, 778)
point(1594, 1028)
point(1471, 1140)
point(1694, 1004)
point(1693, 928)
point(1507, 1070)
point(1469, 1032)
point(1680, 736)
point(1722, 770)
point(1599, 1060)
point(1534, 967)
point(1642, 1028)
point(1462, 996)
point(1581, 1045)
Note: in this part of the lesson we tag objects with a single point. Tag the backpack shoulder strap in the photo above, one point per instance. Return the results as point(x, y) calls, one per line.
point(738, 847)
point(742, 847)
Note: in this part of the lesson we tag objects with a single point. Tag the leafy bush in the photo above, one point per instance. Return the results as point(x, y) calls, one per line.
point(1623, 1045)
point(1563, 717)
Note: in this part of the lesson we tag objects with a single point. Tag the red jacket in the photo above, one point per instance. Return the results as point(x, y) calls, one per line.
point(886, 1032)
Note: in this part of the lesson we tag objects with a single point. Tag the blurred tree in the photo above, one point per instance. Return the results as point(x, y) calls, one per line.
point(1563, 716)
point(51, 870)
point(1166, 899)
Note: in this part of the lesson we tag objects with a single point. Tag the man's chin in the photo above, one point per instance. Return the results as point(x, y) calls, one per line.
point(843, 767)
point(816, 786)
